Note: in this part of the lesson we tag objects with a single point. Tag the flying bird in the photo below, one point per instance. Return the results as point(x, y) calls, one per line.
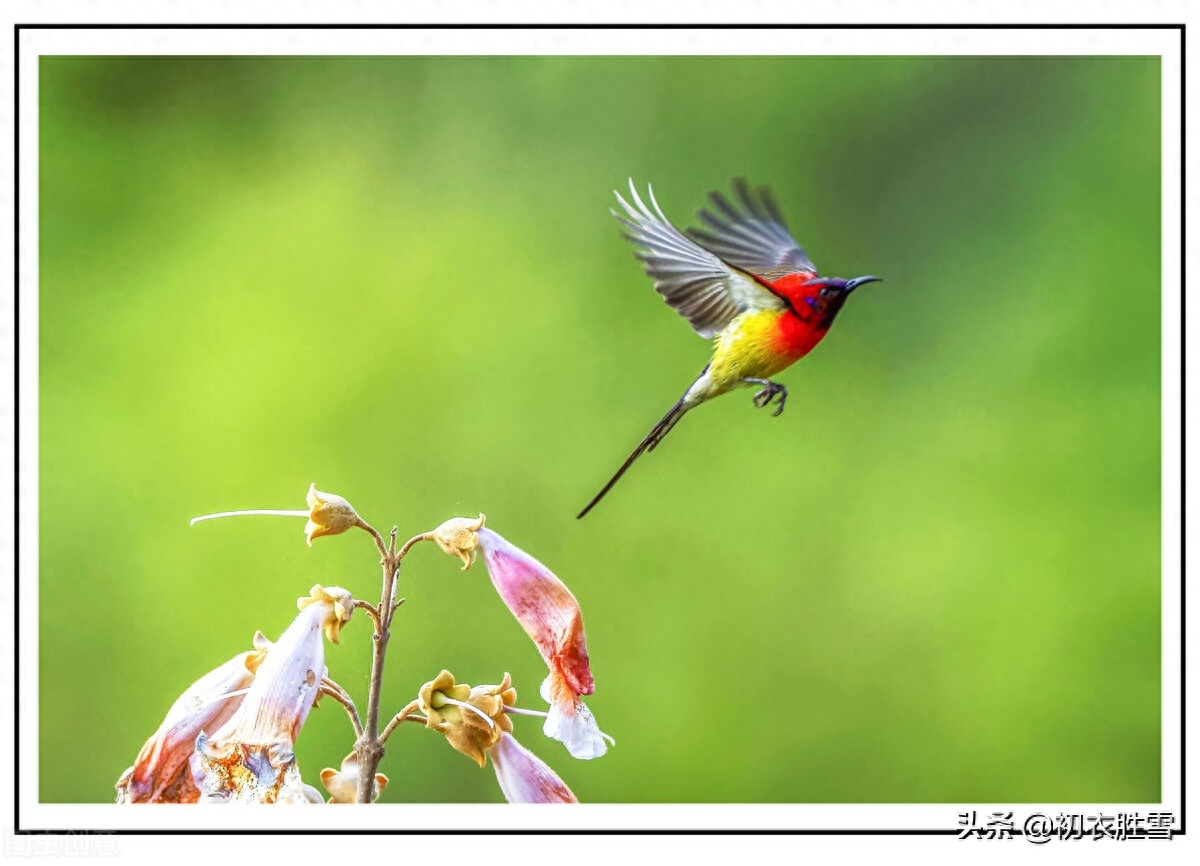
point(742, 279)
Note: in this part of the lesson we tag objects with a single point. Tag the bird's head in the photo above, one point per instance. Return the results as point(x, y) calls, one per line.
point(833, 286)
point(825, 295)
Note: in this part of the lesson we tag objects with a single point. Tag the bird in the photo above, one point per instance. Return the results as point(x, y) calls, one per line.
point(741, 279)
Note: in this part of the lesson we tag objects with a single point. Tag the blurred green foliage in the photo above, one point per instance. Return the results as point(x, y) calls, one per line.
point(935, 578)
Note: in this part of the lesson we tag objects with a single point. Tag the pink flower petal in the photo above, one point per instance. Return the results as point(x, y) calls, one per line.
point(546, 610)
point(285, 685)
point(523, 777)
point(550, 615)
point(158, 775)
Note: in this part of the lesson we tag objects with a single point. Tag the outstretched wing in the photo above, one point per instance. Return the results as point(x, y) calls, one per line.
point(700, 286)
point(754, 238)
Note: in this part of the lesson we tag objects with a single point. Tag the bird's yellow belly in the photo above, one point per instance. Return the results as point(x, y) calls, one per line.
point(749, 347)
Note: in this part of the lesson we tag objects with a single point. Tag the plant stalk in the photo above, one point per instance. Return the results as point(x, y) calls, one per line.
point(369, 747)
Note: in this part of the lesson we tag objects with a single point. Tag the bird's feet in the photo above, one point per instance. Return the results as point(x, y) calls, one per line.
point(770, 390)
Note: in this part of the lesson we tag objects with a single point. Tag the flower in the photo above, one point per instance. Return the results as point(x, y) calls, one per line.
point(472, 719)
point(161, 774)
point(250, 757)
point(458, 537)
point(523, 777)
point(475, 721)
point(550, 615)
point(329, 514)
point(342, 784)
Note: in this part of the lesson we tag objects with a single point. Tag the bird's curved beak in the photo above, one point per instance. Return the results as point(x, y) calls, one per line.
point(853, 284)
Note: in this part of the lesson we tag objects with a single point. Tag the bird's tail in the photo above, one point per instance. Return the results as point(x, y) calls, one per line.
point(661, 429)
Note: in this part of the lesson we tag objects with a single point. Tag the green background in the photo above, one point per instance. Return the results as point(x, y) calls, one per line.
point(935, 578)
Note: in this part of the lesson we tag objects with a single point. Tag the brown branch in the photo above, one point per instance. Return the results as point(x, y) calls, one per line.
point(424, 536)
point(371, 612)
point(369, 746)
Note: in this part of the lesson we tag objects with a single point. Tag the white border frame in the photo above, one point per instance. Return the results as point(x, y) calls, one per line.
point(582, 42)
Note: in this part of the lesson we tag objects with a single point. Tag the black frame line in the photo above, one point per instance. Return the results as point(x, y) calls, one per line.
point(17, 28)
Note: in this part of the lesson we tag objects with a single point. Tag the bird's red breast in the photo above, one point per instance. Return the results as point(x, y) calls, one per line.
point(803, 324)
point(795, 337)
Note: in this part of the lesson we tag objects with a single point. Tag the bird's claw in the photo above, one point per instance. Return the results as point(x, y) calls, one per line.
point(769, 392)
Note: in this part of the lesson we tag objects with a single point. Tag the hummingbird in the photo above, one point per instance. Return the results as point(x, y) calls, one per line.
point(743, 280)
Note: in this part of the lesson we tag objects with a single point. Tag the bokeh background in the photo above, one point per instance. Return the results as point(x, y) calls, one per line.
point(935, 578)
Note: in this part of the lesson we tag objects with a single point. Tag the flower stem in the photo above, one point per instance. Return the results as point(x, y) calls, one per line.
point(362, 524)
point(369, 747)
point(371, 612)
point(401, 716)
point(424, 536)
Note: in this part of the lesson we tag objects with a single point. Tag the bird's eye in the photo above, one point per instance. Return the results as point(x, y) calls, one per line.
point(826, 292)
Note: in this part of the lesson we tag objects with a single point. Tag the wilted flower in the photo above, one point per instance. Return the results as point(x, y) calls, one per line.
point(550, 615)
point(458, 537)
point(329, 514)
point(342, 604)
point(250, 758)
point(161, 773)
point(525, 778)
point(342, 784)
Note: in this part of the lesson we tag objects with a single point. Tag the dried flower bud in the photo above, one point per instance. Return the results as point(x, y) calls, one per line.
point(329, 514)
point(458, 537)
point(342, 784)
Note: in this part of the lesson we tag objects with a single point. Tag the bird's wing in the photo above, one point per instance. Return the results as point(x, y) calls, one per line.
point(697, 284)
point(754, 238)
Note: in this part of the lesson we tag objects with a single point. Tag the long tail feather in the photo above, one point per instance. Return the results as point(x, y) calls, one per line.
point(661, 429)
